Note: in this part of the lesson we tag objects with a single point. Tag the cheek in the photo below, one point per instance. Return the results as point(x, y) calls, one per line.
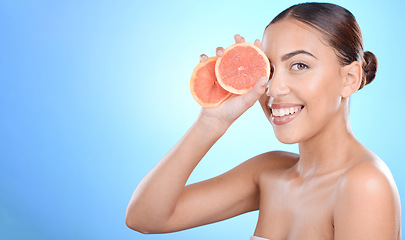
point(322, 94)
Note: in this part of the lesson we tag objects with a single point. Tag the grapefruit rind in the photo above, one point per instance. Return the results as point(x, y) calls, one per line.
point(192, 86)
point(229, 87)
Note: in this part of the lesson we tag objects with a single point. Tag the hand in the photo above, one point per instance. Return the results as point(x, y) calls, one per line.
point(225, 114)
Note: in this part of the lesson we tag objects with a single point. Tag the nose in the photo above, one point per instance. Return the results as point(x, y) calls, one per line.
point(277, 85)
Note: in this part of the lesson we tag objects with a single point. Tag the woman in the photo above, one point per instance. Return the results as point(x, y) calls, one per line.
point(335, 188)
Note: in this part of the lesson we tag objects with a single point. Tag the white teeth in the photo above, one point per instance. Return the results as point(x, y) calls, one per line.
point(280, 112)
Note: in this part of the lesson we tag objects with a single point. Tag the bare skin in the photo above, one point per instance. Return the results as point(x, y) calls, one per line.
point(334, 189)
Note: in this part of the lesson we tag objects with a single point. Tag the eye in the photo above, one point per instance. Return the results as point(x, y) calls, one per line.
point(299, 66)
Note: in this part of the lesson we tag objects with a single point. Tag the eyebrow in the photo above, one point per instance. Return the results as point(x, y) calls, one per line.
point(292, 54)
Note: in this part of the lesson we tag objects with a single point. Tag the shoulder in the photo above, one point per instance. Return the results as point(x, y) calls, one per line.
point(266, 162)
point(274, 160)
point(269, 164)
point(368, 177)
point(367, 202)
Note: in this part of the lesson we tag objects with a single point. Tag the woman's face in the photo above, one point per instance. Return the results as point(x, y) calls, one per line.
point(304, 92)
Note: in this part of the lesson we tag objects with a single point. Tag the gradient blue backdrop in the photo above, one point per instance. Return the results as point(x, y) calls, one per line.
point(94, 93)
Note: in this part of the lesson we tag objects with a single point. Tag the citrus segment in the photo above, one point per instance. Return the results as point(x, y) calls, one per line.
point(204, 85)
point(240, 67)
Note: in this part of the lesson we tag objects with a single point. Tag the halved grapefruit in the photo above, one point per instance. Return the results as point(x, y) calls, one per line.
point(204, 85)
point(240, 67)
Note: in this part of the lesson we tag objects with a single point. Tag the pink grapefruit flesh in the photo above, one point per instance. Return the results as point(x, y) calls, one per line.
point(240, 67)
point(204, 85)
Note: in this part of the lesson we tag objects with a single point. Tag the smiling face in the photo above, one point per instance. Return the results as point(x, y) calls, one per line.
point(304, 92)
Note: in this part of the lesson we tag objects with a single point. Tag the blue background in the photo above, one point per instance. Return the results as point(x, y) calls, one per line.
point(94, 93)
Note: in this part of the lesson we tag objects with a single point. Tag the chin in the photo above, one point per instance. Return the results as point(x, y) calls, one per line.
point(287, 135)
point(287, 138)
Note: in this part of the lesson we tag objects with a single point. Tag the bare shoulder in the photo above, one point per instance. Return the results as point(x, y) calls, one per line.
point(274, 160)
point(369, 175)
point(270, 162)
point(367, 203)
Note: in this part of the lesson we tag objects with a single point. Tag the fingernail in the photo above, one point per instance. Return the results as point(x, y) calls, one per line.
point(264, 81)
point(220, 52)
point(203, 57)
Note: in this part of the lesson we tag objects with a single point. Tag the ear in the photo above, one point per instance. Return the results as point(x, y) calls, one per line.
point(351, 78)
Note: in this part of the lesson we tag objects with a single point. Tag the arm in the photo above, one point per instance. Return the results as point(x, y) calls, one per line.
point(162, 203)
point(367, 205)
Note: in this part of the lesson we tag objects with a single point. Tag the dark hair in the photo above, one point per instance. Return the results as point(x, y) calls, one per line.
point(340, 30)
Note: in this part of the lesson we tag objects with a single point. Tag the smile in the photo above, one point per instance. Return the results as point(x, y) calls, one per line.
point(284, 113)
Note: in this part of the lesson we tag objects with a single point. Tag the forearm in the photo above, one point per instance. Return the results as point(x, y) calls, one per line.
point(155, 198)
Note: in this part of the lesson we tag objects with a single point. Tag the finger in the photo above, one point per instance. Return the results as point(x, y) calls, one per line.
point(203, 57)
point(264, 102)
point(256, 92)
point(219, 51)
point(239, 39)
point(258, 44)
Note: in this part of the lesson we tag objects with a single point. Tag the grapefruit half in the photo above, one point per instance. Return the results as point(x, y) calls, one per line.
point(240, 67)
point(204, 85)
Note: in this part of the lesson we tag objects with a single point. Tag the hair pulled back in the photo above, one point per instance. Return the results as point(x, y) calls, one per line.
point(339, 29)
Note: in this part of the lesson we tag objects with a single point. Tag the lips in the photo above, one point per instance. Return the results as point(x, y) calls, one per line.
point(283, 113)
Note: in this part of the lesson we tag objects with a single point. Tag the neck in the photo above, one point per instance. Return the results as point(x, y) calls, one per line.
point(329, 150)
